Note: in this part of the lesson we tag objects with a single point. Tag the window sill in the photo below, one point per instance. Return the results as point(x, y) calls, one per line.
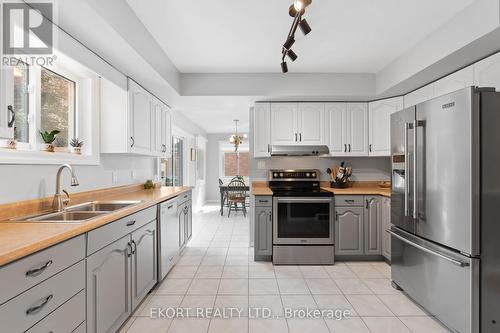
point(10, 156)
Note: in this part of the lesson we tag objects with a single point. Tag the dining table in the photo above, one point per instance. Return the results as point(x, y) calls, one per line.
point(223, 190)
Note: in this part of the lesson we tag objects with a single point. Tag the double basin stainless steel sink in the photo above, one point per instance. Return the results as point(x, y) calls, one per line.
point(80, 213)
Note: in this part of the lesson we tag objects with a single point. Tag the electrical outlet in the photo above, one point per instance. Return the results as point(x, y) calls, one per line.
point(114, 175)
point(134, 174)
point(261, 165)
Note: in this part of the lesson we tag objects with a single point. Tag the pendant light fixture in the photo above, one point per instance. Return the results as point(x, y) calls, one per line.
point(296, 10)
point(236, 139)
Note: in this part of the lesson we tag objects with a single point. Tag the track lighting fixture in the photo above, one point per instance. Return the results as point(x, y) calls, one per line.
point(292, 55)
point(284, 67)
point(304, 26)
point(289, 43)
point(296, 10)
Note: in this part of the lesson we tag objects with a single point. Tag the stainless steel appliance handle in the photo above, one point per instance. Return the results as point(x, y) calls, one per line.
point(415, 192)
point(422, 248)
point(303, 199)
point(407, 127)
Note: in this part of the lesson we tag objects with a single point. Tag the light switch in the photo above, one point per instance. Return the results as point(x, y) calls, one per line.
point(261, 165)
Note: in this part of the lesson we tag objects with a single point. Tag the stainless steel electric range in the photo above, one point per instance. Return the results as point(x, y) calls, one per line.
point(303, 218)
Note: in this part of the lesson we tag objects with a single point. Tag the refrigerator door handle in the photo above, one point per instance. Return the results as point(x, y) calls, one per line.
point(407, 174)
point(415, 165)
point(422, 248)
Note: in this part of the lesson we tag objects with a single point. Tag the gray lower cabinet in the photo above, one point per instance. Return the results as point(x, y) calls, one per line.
point(189, 220)
point(358, 225)
point(119, 276)
point(182, 226)
point(185, 216)
point(386, 225)
point(144, 259)
point(349, 230)
point(373, 225)
point(109, 301)
point(263, 224)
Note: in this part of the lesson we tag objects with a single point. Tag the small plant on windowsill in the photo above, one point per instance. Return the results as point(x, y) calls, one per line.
point(76, 146)
point(48, 139)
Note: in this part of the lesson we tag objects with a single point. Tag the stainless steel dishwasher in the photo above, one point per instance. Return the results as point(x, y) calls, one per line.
point(168, 240)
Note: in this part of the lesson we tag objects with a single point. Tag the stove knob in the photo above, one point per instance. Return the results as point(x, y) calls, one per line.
point(314, 174)
point(281, 174)
point(308, 175)
point(275, 175)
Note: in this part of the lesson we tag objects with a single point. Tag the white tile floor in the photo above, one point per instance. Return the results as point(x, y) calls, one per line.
point(217, 271)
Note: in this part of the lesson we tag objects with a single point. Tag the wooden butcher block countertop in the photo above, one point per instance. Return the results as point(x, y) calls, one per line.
point(357, 188)
point(20, 239)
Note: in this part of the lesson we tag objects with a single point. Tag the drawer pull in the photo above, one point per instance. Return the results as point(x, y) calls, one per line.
point(131, 223)
point(169, 207)
point(37, 308)
point(37, 271)
point(349, 200)
point(263, 201)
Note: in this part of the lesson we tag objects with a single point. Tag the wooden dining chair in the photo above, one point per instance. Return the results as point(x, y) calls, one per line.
point(236, 194)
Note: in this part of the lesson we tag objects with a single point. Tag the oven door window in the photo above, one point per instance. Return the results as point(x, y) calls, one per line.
point(303, 220)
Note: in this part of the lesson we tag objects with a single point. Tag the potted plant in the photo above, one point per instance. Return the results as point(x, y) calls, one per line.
point(48, 139)
point(76, 146)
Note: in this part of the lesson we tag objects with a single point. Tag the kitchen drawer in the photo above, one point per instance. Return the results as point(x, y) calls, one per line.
point(65, 318)
point(263, 201)
point(107, 234)
point(30, 271)
point(348, 200)
point(184, 197)
point(20, 313)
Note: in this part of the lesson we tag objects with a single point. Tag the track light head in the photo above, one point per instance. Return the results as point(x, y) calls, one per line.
point(289, 43)
point(284, 67)
point(304, 27)
point(292, 55)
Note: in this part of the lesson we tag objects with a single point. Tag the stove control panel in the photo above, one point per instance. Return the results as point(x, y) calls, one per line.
point(293, 175)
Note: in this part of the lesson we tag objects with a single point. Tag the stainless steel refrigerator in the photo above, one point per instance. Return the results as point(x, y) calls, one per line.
point(445, 213)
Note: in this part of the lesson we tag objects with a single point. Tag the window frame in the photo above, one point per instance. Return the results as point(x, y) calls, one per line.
point(226, 147)
point(84, 123)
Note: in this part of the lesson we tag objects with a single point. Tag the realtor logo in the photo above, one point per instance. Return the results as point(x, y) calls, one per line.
point(25, 30)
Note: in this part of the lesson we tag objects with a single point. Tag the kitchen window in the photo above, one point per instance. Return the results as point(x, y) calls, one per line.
point(233, 163)
point(63, 98)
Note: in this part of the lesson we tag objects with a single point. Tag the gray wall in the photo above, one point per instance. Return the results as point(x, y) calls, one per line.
point(25, 182)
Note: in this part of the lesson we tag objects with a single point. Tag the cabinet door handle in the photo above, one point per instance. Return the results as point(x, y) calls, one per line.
point(130, 223)
point(345, 148)
point(349, 147)
point(367, 203)
point(134, 248)
point(37, 308)
point(300, 137)
point(39, 270)
point(295, 137)
point(370, 147)
point(129, 247)
point(13, 116)
point(270, 216)
point(132, 142)
point(336, 216)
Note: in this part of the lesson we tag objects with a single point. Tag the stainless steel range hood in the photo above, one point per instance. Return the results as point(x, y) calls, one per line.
point(286, 150)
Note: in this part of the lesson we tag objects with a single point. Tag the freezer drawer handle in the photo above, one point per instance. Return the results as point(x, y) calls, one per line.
point(420, 247)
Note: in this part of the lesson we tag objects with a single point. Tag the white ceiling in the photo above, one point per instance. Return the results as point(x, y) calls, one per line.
point(216, 114)
point(245, 36)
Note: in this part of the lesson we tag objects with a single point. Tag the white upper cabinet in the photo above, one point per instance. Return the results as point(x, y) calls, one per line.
point(166, 131)
point(336, 114)
point(298, 124)
point(380, 125)
point(357, 127)
point(347, 126)
point(261, 129)
point(455, 81)
point(420, 95)
point(487, 72)
point(133, 121)
point(284, 128)
point(140, 113)
point(311, 122)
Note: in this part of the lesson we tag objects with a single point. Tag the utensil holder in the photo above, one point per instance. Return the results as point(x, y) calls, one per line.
point(340, 184)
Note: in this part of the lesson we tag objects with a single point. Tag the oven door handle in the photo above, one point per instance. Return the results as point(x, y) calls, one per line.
point(303, 199)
